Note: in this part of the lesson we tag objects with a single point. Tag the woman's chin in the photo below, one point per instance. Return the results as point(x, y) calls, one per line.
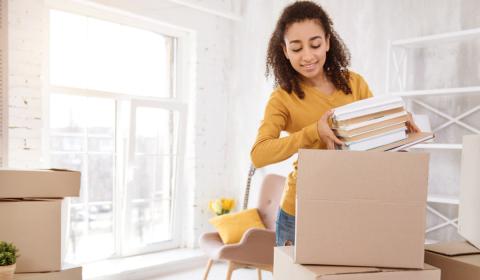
point(309, 74)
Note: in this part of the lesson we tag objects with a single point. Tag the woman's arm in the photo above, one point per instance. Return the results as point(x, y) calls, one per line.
point(268, 147)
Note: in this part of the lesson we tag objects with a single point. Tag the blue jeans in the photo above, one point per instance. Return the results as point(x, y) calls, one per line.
point(285, 229)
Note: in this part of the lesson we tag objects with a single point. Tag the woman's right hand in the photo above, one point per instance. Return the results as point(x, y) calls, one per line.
point(325, 132)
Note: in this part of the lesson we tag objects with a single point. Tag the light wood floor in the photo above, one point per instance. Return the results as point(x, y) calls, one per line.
point(217, 272)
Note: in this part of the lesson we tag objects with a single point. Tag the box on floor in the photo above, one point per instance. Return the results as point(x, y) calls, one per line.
point(284, 268)
point(457, 260)
point(66, 274)
point(31, 213)
point(35, 227)
point(361, 208)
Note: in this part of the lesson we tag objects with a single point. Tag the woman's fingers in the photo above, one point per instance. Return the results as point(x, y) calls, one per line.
point(326, 133)
point(337, 141)
point(330, 145)
point(327, 115)
point(412, 127)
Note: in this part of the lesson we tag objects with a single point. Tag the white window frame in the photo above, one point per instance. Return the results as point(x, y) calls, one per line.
point(176, 216)
point(182, 85)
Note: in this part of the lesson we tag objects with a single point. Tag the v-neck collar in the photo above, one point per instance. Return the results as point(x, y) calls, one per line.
point(319, 92)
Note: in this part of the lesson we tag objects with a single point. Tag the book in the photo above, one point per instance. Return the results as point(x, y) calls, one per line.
point(352, 130)
point(374, 132)
point(411, 140)
point(367, 106)
point(376, 141)
point(369, 117)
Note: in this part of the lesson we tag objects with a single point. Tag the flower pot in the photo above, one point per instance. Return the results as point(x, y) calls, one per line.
point(7, 271)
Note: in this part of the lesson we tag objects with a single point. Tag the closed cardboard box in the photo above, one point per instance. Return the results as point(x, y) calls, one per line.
point(53, 183)
point(457, 260)
point(361, 208)
point(35, 227)
point(469, 208)
point(66, 274)
point(284, 268)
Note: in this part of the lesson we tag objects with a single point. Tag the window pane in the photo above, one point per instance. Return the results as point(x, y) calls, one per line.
point(100, 178)
point(82, 138)
point(149, 194)
point(91, 233)
point(156, 131)
point(95, 54)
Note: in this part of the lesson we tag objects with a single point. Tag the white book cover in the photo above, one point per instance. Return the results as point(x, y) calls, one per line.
point(377, 141)
point(367, 106)
point(370, 122)
point(376, 129)
point(412, 142)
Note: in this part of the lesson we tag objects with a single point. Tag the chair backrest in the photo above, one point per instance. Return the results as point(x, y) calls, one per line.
point(269, 199)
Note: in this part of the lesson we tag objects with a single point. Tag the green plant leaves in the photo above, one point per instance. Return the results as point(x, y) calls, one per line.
point(8, 253)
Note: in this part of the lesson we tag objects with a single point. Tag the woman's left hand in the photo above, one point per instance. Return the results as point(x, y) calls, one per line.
point(411, 126)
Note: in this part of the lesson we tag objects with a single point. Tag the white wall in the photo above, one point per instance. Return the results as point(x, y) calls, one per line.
point(25, 82)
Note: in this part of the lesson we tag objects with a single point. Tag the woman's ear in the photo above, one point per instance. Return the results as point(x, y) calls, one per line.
point(328, 42)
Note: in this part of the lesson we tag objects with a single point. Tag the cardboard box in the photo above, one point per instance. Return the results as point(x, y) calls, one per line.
point(285, 269)
point(35, 227)
point(469, 208)
point(66, 274)
point(457, 260)
point(361, 208)
point(52, 183)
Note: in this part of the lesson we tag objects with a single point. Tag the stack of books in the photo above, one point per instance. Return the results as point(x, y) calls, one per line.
point(377, 123)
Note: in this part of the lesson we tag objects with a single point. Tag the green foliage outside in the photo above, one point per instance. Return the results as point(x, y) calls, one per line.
point(8, 253)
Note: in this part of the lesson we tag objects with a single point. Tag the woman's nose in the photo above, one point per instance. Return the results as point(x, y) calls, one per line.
point(307, 56)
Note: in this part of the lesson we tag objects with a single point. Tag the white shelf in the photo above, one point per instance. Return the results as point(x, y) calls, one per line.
point(432, 146)
point(431, 241)
point(398, 59)
point(437, 38)
point(460, 90)
point(446, 199)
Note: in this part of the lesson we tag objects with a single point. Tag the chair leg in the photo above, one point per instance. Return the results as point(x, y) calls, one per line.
point(259, 271)
point(231, 268)
point(207, 270)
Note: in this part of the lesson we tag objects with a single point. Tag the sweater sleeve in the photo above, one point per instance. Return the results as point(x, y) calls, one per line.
point(268, 147)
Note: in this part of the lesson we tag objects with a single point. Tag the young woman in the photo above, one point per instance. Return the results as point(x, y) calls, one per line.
point(309, 62)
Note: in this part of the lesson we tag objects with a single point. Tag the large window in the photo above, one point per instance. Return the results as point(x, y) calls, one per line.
point(115, 115)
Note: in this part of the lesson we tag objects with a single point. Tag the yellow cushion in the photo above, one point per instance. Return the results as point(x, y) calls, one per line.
point(231, 227)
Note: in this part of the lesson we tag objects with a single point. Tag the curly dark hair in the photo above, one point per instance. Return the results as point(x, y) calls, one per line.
point(338, 56)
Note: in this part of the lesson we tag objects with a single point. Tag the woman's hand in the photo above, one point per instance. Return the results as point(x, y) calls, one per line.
point(411, 126)
point(326, 133)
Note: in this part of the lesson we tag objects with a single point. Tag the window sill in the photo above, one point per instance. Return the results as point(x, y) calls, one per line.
point(144, 266)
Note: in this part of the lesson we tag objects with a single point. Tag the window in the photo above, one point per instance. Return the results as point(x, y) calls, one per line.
point(116, 116)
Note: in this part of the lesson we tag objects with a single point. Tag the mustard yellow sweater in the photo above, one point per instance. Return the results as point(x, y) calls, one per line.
point(299, 118)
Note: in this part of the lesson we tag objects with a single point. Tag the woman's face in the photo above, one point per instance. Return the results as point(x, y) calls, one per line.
point(306, 48)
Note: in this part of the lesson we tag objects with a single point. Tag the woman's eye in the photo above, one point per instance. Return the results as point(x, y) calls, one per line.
point(316, 46)
point(296, 50)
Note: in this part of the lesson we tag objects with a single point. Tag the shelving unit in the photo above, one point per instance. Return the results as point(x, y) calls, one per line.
point(398, 59)
point(438, 146)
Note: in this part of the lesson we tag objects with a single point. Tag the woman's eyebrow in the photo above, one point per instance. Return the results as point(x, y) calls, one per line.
point(315, 37)
point(299, 41)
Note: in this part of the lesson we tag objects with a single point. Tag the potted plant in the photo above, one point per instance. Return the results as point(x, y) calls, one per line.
point(8, 259)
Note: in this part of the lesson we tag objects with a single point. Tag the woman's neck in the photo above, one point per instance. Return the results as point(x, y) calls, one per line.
point(318, 81)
